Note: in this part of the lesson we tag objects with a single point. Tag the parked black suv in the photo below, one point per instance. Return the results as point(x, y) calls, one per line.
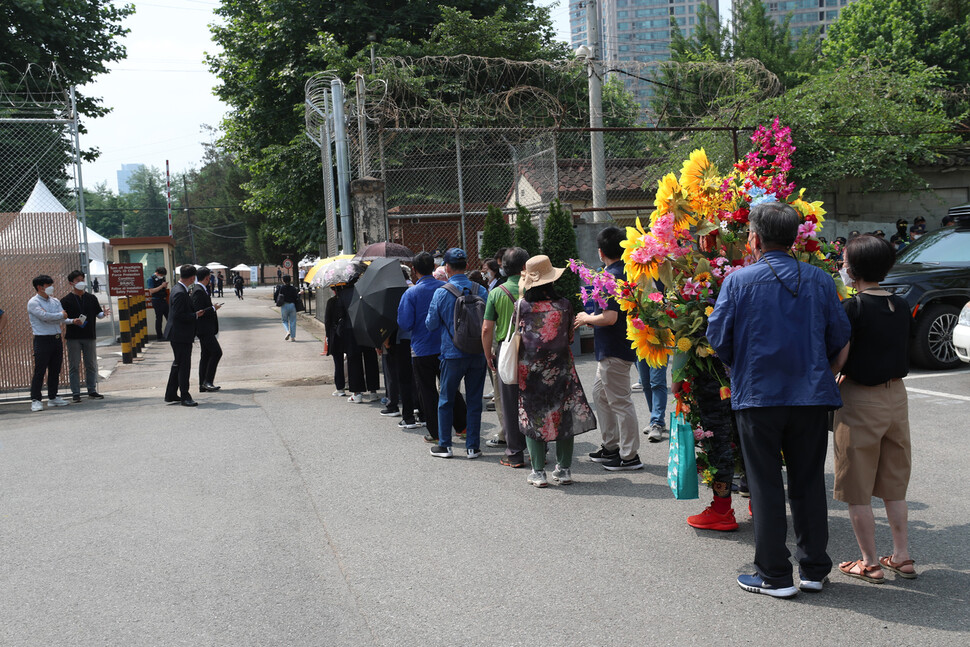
point(933, 275)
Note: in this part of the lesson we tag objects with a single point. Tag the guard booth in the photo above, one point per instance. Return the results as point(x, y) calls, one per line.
point(152, 252)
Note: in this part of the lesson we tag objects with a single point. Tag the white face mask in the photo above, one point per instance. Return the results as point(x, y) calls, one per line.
point(80, 285)
point(490, 275)
point(846, 279)
point(49, 290)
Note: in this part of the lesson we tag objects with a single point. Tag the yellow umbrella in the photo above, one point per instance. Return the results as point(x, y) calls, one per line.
point(323, 261)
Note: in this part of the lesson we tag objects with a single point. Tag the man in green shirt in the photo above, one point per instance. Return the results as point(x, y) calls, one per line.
point(499, 309)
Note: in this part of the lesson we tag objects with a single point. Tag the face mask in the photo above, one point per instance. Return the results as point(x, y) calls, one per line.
point(502, 271)
point(490, 275)
point(846, 279)
point(80, 285)
point(49, 290)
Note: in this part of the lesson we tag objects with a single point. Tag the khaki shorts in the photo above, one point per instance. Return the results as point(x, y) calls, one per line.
point(873, 456)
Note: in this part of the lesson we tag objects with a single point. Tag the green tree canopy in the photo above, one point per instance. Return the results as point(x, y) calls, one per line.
point(559, 244)
point(904, 34)
point(497, 233)
point(526, 234)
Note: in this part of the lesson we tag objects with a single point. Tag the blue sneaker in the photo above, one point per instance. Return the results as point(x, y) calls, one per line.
point(755, 584)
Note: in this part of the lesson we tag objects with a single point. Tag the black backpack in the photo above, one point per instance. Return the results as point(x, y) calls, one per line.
point(468, 320)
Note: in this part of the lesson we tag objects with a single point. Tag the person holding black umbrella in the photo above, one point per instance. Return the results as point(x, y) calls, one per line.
point(363, 375)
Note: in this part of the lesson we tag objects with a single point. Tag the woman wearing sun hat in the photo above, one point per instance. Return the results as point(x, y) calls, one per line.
point(552, 404)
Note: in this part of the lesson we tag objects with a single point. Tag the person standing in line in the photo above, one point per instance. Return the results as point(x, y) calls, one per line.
point(158, 290)
point(82, 338)
point(363, 372)
point(499, 313)
point(96, 285)
point(180, 332)
point(550, 400)
point(873, 452)
point(778, 325)
point(456, 365)
point(206, 330)
point(654, 381)
point(426, 345)
point(238, 284)
point(286, 299)
point(47, 318)
point(614, 358)
point(334, 345)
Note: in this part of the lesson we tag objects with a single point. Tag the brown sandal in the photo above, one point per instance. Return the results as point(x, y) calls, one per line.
point(864, 571)
point(896, 567)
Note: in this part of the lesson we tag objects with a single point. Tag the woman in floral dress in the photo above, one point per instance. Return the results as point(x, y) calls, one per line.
point(552, 405)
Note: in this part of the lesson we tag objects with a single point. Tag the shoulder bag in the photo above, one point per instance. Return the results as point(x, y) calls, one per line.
point(508, 353)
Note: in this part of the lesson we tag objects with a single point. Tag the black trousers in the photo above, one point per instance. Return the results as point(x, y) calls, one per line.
point(160, 306)
point(48, 359)
point(400, 381)
point(209, 358)
point(363, 373)
point(799, 432)
point(717, 417)
point(178, 376)
point(509, 401)
point(427, 370)
point(339, 379)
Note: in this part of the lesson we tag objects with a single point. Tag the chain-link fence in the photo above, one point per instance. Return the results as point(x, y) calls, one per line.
point(39, 199)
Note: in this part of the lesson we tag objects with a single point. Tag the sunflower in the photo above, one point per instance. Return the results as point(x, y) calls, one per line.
point(698, 174)
point(634, 241)
point(806, 208)
point(654, 345)
point(703, 277)
point(671, 198)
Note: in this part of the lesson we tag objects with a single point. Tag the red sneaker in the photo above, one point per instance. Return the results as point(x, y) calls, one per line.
point(711, 520)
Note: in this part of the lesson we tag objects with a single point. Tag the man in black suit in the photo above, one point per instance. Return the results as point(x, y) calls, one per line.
point(206, 330)
point(180, 331)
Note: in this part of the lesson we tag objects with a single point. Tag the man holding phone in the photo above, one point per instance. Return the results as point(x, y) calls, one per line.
point(83, 310)
point(206, 330)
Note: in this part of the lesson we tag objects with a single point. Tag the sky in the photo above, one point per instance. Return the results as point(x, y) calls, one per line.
point(161, 94)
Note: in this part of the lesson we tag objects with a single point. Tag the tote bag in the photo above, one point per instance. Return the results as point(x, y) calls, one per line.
point(682, 464)
point(508, 354)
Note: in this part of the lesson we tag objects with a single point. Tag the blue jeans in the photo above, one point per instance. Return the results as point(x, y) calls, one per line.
point(472, 370)
point(288, 313)
point(654, 381)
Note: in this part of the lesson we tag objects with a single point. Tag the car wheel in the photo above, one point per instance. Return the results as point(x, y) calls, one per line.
point(933, 344)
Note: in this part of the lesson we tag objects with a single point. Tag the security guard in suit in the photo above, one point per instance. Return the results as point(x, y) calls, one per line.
point(180, 331)
point(206, 330)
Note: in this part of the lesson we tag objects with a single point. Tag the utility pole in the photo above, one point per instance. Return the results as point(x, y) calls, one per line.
point(343, 165)
point(595, 72)
point(188, 217)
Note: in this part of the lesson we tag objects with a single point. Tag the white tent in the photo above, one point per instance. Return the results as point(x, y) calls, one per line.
point(41, 200)
point(242, 267)
point(216, 266)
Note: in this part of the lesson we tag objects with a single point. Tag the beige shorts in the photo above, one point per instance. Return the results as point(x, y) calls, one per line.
point(873, 456)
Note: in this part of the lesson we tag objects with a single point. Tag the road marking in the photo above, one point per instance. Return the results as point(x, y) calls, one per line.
point(939, 395)
point(951, 373)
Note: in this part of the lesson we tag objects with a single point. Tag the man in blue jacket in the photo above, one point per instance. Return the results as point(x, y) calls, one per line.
point(455, 364)
point(426, 344)
point(779, 326)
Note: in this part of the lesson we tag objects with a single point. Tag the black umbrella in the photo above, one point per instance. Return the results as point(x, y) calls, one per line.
point(373, 308)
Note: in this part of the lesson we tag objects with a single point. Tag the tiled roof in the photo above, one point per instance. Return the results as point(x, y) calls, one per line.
point(624, 178)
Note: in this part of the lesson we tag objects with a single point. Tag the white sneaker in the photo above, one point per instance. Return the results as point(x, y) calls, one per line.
point(369, 397)
point(538, 479)
point(36, 405)
point(57, 402)
point(339, 393)
point(562, 475)
point(356, 398)
point(636, 386)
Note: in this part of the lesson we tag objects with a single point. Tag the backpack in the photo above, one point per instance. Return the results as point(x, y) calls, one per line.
point(469, 317)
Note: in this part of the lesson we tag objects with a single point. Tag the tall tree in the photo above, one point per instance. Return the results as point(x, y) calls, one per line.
point(526, 234)
point(925, 32)
point(497, 233)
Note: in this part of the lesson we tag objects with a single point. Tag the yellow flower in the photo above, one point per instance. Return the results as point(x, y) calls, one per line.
point(703, 276)
point(654, 345)
point(671, 198)
point(708, 310)
point(707, 477)
point(698, 174)
point(683, 344)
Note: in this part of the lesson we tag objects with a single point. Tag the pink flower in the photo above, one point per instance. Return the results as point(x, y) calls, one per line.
point(656, 297)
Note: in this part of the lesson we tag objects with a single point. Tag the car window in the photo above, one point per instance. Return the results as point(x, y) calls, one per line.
point(941, 246)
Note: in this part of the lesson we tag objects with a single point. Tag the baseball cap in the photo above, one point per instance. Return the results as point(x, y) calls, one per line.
point(455, 254)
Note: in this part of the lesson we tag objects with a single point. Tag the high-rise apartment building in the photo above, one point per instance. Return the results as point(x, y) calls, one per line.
point(635, 30)
point(124, 174)
point(806, 15)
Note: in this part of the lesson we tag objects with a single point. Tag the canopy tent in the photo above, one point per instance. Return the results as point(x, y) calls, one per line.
point(216, 266)
point(41, 200)
point(242, 267)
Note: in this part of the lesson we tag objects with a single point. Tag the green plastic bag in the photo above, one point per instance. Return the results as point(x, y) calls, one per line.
point(682, 464)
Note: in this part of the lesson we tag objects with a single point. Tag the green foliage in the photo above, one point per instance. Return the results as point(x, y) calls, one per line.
point(559, 244)
point(759, 37)
point(497, 233)
point(526, 234)
point(859, 121)
point(904, 34)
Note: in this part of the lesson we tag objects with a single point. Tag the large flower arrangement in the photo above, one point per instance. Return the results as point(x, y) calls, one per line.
point(696, 237)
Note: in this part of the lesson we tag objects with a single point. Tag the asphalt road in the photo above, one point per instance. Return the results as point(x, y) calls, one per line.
point(275, 514)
